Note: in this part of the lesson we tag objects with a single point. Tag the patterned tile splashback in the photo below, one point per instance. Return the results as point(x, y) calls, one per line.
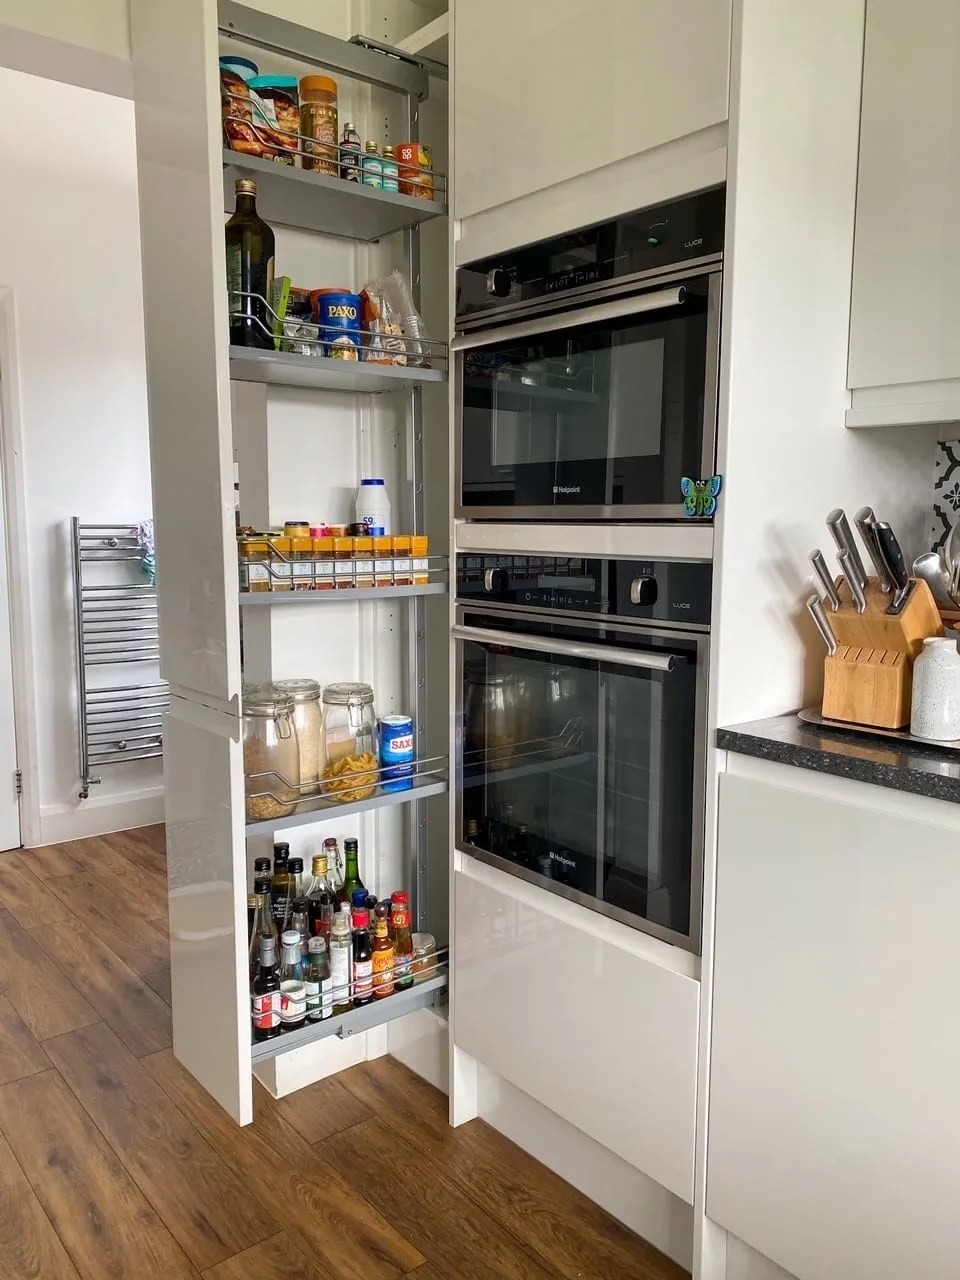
point(946, 492)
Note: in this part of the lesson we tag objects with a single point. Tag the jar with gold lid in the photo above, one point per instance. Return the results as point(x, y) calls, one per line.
point(253, 551)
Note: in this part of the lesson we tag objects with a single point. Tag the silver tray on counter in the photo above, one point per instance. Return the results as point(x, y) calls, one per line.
point(810, 715)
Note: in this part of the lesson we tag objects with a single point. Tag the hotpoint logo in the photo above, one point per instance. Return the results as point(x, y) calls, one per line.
point(563, 490)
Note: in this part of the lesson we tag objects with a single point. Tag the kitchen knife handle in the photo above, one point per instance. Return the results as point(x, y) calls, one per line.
point(824, 578)
point(892, 553)
point(866, 520)
point(839, 527)
point(853, 582)
point(819, 615)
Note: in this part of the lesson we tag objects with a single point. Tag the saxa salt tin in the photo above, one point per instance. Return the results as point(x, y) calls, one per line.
point(397, 752)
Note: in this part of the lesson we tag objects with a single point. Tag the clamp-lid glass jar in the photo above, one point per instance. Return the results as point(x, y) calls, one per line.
point(308, 722)
point(271, 755)
point(349, 742)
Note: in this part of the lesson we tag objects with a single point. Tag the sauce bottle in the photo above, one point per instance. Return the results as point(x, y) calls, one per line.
point(382, 958)
point(362, 959)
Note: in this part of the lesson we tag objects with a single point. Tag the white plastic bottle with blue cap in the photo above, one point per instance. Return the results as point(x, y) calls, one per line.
point(373, 508)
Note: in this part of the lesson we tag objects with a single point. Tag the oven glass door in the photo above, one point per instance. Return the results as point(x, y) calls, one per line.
point(580, 764)
point(606, 416)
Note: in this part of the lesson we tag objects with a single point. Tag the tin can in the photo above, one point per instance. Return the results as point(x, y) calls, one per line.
point(339, 316)
point(397, 752)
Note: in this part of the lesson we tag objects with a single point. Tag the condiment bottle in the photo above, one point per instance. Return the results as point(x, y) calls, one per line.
point(318, 122)
point(362, 959)
point(372, 166)
point(319, 981)
point(382, 958)
point(402, 944)
point(343, 562)
point(390, 170)
point(340, 963)
point(350, 154)
point(266, 993)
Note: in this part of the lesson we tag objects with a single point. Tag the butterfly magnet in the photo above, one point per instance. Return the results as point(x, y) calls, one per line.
point(700, 496)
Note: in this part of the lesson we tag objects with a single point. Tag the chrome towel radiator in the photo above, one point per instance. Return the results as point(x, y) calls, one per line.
point(115, 613)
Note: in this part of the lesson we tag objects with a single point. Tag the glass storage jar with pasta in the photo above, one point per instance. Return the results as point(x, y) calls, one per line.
point(308, 722)
point(349, 742)
point(271, 756)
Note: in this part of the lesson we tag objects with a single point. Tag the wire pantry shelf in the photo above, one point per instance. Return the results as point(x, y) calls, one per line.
point(115, 625)
point(273, 802)
point(282, 576)
point(293, 335)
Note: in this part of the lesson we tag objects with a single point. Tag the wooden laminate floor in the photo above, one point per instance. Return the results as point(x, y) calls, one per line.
point(114, 1163)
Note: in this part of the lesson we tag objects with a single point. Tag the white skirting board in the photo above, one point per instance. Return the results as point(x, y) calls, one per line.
point(98, 816)
point(629, 1195)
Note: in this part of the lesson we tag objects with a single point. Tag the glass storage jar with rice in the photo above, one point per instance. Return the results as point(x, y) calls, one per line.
point(349, 743)
point(308, 723)
point(271, 754)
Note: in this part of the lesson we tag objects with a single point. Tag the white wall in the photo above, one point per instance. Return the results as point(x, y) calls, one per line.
point(70, 251)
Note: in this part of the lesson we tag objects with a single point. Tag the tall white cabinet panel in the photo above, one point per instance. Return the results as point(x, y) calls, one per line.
point(207, 872)
point(596, 1032)
point(545, 92)
point(904, 342)
point(833, 1124)
point(175, 44)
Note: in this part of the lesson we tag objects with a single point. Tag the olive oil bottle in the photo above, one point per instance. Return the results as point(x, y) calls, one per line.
point(250, 253)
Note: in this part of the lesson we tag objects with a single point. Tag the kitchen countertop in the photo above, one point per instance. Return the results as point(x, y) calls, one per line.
point(886, 762)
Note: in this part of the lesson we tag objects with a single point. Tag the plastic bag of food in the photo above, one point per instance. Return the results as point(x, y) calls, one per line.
point(383, 334)
point(394, 291)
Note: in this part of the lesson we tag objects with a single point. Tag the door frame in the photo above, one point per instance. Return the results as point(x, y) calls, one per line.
point(14, 544)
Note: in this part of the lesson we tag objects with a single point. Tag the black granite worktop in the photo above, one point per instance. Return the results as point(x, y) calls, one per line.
point(886, 762)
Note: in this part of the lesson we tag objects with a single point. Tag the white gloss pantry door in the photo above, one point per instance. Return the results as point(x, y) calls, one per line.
point(179, 161)
point(206, 872)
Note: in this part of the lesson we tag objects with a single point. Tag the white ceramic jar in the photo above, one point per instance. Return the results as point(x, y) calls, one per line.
point(935, 706)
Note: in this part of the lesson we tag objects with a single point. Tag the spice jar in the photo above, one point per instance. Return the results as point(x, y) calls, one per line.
point(303, 563)
point(254, 554)
point(383, 561)
point(420, 545)
point(391, 170)
point(296, 529)
point(319, 124)
point(308, 723)
point(343, 562)
point(349, 742)
point(402, 563)
point(323, 563)
point(363, 561)
point(424, 957)
point(271, 756)
point(281, 570)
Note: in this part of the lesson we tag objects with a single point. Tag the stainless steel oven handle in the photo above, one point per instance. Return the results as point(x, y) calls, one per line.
point(569, 648)
point(660, 300)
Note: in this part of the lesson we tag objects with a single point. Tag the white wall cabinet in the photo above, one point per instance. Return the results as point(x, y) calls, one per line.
point(904, 343)
point(546, 92)
point(833, 1124)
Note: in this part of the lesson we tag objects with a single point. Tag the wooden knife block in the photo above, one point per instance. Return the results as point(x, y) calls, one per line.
point(869, 679)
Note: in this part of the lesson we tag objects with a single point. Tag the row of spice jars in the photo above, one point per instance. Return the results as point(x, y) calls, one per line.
point(296, 743)
point(322, 561)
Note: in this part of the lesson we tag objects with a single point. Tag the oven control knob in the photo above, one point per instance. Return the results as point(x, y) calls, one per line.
point(643, 591)
point(498, 283)
point(494, 581)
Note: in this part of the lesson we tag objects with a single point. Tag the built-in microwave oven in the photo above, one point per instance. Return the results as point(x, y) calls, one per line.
point(587, 368)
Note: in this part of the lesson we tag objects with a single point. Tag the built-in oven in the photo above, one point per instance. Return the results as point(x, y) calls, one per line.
point(586, 369)
point(581, 730)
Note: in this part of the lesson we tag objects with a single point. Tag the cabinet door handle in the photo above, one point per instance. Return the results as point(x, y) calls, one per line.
point(660, 300)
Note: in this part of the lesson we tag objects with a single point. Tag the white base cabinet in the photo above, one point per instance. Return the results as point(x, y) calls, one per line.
point(833, 1121)
point(598, 1032)
point(904, 348)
